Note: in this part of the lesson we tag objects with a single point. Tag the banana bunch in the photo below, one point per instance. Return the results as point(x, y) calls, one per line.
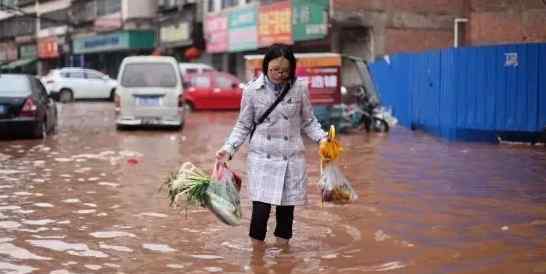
point(329, 150)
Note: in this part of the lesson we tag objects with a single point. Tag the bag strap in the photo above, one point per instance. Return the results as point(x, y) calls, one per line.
point(269, 110)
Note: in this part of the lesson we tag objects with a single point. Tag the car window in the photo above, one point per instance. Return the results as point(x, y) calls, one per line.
point(41, 88)
point(223, 82)
point(73, 74)
point(149, 75)
point(200, 81)
point(14, 85)
point(93, 75)
point(191, 70)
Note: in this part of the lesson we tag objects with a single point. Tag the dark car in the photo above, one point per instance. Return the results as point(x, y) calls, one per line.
point(25, 107)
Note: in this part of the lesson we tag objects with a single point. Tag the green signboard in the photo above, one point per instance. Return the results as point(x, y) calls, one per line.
point(309, 19)
point(115, 41)
point(242, 29)
point(28, 51)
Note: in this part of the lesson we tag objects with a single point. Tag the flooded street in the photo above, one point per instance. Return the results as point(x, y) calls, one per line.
point(87, 200)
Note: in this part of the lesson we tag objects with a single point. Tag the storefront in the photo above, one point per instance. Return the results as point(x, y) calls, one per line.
point(48, 53)
point(105, 52)
point(8, 54)
point(28, 57)
point(175, 38)
point(250, 29)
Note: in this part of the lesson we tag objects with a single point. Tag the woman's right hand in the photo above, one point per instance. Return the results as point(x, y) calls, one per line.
point(221, 155)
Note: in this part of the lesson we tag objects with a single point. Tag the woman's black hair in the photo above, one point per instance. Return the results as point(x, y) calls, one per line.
point(280, 50)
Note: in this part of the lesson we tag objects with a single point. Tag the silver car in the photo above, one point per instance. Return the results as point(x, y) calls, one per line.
point(149, 92)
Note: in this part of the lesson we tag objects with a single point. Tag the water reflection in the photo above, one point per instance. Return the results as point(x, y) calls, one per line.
point(91, 205)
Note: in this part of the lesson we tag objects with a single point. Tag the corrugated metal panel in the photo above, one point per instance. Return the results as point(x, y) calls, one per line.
point(541, 88)
point(447, 92)
point(468, 93)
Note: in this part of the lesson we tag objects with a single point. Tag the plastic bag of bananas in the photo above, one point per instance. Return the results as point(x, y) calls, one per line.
point(334, 186)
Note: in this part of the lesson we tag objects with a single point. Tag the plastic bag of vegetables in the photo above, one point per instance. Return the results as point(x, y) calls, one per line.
point(334, 186)
point(218, 192)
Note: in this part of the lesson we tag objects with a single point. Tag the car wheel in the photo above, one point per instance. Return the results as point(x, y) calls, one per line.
point(379, 125)
point(66, 96)
point(189, 107)
point(40, 130)
point(112, 95)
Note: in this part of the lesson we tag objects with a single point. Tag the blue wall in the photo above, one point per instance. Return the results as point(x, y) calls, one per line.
point(474, 93)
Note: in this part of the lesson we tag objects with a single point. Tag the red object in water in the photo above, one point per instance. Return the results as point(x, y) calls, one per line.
point(132, 161)
point(192, 53)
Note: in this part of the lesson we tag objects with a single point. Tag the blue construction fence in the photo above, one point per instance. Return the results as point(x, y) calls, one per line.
point(470, 93)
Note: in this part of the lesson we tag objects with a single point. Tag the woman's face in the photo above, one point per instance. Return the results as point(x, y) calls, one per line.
point(278, 70)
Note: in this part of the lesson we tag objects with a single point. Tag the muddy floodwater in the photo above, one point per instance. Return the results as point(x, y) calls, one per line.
point(86, 200)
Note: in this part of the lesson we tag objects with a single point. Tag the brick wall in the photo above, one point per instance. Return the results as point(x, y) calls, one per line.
point(503, 21)
point(418, 6)
point(412, 40)
point(403, 25)
point(415, 25)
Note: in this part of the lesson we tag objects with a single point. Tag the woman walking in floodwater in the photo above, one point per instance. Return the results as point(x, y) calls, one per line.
point(275, 109)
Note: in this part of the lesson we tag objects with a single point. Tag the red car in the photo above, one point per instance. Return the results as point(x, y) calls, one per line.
point(212, 90)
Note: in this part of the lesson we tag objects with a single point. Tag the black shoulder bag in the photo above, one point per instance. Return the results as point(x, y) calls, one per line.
point(269, 110)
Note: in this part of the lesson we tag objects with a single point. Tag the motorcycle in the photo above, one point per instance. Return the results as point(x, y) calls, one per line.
point(366, 113)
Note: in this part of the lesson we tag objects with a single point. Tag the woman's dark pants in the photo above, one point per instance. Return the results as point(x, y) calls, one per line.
point(260, 215)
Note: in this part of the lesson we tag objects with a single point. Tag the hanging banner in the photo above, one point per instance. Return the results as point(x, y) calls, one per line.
point(216, 33)
point(242, 29)
point(275, 24)
point(310, 19)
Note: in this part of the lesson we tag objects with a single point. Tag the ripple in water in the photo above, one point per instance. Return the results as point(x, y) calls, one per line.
point(159, 247)
point(77, 249)
point(15, 269)
point(112, 234)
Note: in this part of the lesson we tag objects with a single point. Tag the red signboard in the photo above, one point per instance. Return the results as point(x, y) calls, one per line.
point(216, 33)
point(324, 83)
point(48, 48)
point(275, 24)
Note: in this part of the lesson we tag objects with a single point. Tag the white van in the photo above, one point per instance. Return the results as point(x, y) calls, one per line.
point(149, 92)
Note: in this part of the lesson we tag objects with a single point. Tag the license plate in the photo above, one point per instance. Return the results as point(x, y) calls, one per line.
point(148, 101)
point(149, 121)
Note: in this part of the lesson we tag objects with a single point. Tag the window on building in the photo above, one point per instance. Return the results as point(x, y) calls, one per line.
point(229, 3)
point(105, 7)
point(210, 5)
point(54, 19)
point(8, 4)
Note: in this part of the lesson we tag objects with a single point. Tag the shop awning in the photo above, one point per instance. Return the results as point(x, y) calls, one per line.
point(19, 63)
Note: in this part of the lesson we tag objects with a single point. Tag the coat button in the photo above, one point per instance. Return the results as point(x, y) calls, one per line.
point(285, 117)
point(286, 138)
point(268, 137)
point(268, 156)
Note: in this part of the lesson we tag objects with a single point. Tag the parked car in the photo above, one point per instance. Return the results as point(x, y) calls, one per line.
point(68, 84)
point(150, 92)
point(187, 68)
point(25, 106)
point(212, 90)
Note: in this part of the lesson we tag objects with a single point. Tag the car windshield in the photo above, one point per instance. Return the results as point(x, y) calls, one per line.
point(14, 85)
point(149, 75)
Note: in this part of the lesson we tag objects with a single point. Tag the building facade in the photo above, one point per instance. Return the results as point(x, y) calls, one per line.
point(38, 35)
